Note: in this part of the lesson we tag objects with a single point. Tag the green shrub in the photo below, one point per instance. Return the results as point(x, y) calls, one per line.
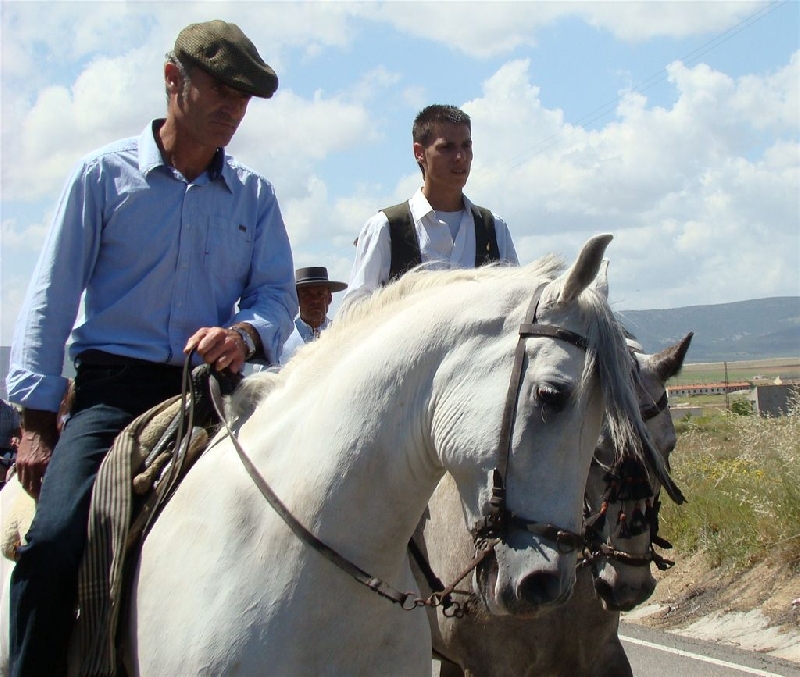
point(741, 478)
point(742, 407)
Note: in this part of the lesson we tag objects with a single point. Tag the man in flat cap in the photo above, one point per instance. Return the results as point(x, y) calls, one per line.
point(168, 245)
point(315, 294)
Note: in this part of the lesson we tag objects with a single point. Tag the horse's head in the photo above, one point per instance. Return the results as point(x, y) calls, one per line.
point(622, 499)
point(517, 428)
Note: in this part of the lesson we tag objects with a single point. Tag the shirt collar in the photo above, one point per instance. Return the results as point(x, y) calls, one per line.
point(420, 207)
point(150, 155)
point(307, 332)
point(149, 152)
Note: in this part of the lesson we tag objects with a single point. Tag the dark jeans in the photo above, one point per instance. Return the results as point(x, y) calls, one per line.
point(44, 582)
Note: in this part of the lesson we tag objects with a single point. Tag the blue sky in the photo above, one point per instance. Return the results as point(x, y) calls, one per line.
point(673, 125)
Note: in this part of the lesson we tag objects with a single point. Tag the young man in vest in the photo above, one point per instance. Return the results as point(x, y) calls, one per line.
point(438, 225)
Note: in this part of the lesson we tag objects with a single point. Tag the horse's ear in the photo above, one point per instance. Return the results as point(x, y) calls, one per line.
point(669, 361)
point(600, 284)
point(585, 269)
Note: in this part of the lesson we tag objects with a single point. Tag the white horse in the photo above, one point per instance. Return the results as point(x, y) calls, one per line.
point(580, 637)
point(7, 497)
point(16, 514)
point(353, 435)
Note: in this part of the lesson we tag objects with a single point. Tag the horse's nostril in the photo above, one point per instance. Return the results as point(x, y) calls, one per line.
point(623, 597)
point(541, 588)
point(604, 590)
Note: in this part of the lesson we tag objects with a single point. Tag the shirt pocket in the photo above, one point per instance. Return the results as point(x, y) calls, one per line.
point(229, 248)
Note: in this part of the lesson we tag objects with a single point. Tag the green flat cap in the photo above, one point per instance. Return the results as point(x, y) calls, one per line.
point(225, 52)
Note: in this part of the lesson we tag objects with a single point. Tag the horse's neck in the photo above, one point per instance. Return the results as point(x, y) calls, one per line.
point(347, 468)
point(442, 532)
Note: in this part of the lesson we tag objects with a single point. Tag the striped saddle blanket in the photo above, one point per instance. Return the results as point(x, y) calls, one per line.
point(135, 479)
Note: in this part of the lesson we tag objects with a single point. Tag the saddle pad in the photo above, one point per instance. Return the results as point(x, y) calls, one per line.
point(100, 575)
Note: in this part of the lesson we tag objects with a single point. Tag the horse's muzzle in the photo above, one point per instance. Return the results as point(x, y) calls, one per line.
point(534, 591)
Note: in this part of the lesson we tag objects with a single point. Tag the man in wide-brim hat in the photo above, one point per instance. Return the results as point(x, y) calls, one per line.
point(315, 294)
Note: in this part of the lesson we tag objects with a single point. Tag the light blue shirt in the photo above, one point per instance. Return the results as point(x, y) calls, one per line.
point(303, 333)
point(149, 258)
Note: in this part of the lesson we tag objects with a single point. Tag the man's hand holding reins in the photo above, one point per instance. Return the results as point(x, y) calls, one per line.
point(219, 347)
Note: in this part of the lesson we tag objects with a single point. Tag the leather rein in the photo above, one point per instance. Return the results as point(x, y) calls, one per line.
point(488, 531)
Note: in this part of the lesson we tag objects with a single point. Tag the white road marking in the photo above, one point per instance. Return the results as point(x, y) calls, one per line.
point(699, 657)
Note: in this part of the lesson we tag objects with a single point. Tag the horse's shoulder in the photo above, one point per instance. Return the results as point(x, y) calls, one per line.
point(17, 515)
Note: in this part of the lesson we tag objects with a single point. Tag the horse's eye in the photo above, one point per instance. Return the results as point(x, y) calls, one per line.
point(551, 397)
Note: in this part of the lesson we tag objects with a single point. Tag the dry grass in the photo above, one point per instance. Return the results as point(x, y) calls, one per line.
point(741, 477)
point(756, 371)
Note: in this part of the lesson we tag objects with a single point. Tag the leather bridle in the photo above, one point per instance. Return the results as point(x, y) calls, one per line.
point(596, 547)
point(499, 518)
point(488, 531)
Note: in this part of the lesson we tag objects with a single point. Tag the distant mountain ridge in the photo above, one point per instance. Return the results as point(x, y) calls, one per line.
point(744, 330)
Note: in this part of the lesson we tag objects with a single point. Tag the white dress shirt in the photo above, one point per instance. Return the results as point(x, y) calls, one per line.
point(437, 247)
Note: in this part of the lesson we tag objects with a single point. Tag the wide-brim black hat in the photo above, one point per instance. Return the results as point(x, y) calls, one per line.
point(316, 275)
point(223, 51)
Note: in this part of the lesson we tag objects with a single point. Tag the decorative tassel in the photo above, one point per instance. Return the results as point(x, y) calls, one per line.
point(638, 523)
point(623, 530)
point(597, 522)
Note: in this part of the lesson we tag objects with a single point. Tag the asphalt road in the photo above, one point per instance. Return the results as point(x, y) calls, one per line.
point(653, 653)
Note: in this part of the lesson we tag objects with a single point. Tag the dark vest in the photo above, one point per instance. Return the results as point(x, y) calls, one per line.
point(405, 245)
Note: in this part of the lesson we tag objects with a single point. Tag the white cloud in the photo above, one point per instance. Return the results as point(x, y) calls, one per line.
point(66, 123)
point(640, 21)
point(483, 29)
point(771, 102)
point(694, 214)
point(20, 248)
point(286, 137)
point(17, 240)
point(372, 83)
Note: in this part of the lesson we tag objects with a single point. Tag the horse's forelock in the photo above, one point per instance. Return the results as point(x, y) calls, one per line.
point(608, 354)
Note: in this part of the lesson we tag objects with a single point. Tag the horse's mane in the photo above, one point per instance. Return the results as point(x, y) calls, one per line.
point(248, 394)
point(608, 353)
point(604, 335)
point(620, 382)
point(369, 309)
point(422, 278)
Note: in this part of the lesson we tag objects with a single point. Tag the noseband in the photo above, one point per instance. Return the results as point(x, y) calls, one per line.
point(499, 519)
